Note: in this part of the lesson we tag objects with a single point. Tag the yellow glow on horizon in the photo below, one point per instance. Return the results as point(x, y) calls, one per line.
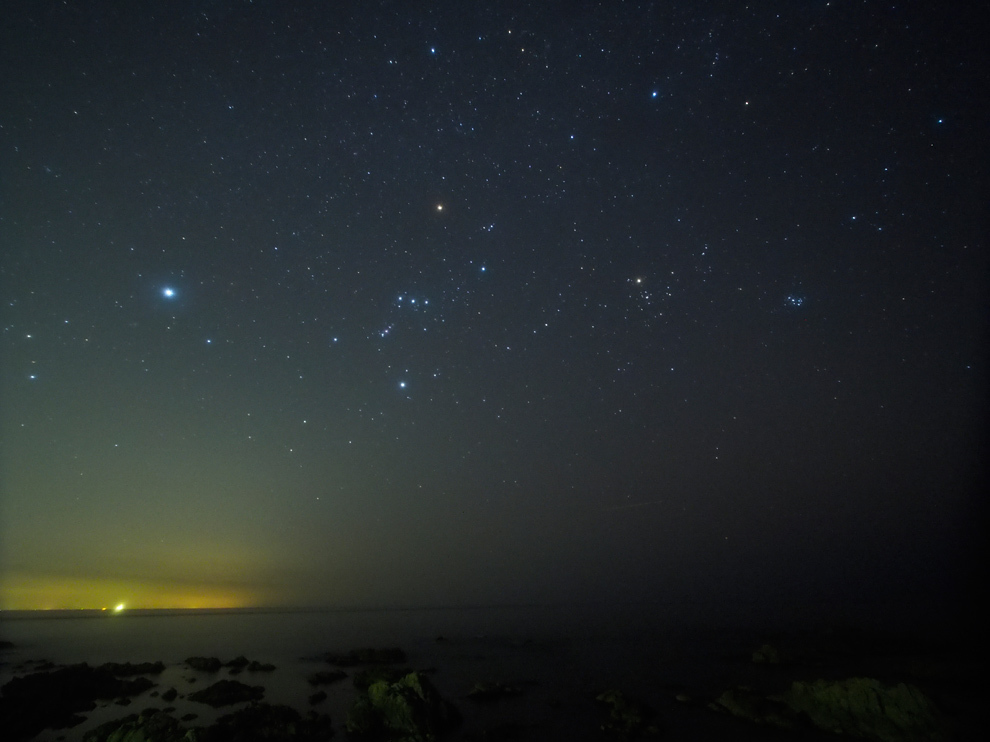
point(25, 591)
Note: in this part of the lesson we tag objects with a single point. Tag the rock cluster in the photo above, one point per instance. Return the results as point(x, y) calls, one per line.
point(409, 709)
point(55, 699)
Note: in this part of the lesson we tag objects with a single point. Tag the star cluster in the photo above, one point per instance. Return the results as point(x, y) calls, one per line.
point(287, 286)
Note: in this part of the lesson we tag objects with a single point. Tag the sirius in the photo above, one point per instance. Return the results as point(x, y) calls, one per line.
point(168, 292)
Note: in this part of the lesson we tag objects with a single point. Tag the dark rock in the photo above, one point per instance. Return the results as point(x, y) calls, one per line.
point(256, 666)
point(170, 695)
point(204, 664)
point(483, 692)
point(410, 710)
point(368, 656)
point(271, 723)
point(6, 645)
point(864, 707)
point(747, 704)
point(189, 717)
point(326, 677)
point(238, 663)
point(768, 654)
point(317, 697)
point(123, 702)
point(54, 699)
point(627, 716)
point(364, 678)
point(227, 692)
point(126, 669)
point(153, 726)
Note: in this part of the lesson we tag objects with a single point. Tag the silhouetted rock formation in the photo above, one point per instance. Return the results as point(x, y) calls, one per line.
point(54, 699)
point(409, 710)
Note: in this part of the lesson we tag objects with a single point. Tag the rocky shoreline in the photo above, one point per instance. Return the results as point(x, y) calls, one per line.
point(791, 690)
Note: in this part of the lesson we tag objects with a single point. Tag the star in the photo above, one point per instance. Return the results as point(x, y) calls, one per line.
point(168, 292)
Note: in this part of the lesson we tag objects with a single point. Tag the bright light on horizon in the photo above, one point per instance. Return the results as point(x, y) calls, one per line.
point(24, 591)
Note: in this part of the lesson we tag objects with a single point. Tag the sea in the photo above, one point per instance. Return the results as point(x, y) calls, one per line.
point(560, 657)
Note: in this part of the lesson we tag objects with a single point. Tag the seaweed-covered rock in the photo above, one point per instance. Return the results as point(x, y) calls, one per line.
point(864, 707)
point(270, 723)
point(410, 710)
point(627, 716)
point(368, 656)
point(227, 692)
point(204, 664)
point(54, 699)
point(149, 726)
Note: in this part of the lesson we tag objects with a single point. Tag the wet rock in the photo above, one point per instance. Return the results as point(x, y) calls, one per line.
point(627, 716)
point(865, 707)
point(272, 723)
point(6, 645)
point(227, 692)
point(126, 669)
point(204, 664)
point(153, 726)
point(170, 695)
point(326, 677)
point(54, 699)
point(318, 697)
point(368, 656)
point(410, 710)
point(493, 691)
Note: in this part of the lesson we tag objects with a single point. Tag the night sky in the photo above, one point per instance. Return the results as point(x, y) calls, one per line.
point(386, 303)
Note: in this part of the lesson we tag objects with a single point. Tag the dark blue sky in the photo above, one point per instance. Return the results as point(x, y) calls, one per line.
point(385, 304)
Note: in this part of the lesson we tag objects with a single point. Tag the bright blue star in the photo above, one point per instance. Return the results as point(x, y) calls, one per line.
point(168, 292)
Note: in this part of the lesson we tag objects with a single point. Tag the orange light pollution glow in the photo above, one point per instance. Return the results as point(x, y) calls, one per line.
point(53, 592)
